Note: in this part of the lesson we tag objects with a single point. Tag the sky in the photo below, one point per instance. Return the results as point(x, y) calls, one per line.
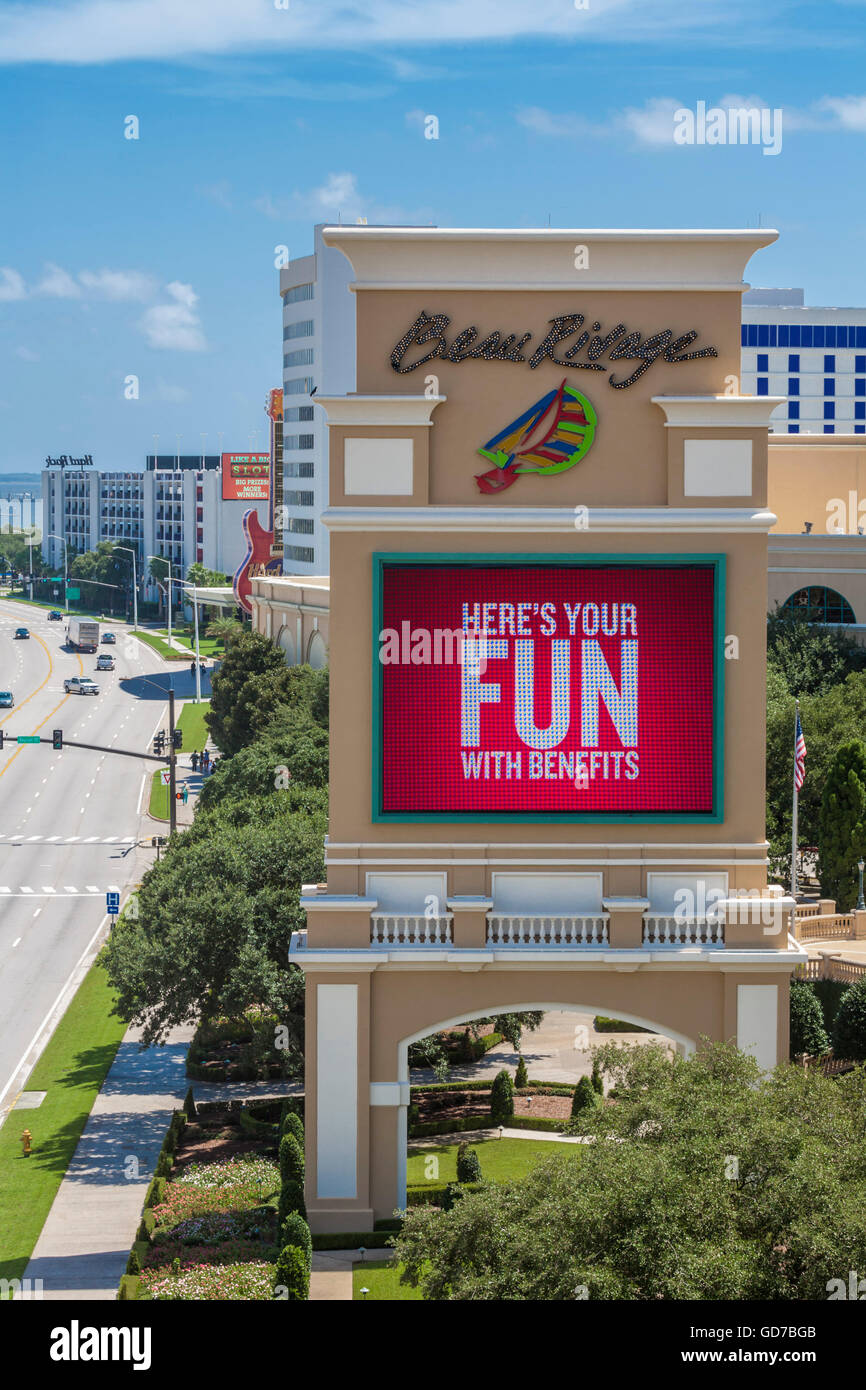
point(154, 258)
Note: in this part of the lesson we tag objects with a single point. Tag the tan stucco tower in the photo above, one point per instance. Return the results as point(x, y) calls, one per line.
point(548, 454)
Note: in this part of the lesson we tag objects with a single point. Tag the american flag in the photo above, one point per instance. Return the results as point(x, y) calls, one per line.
point(799, 756)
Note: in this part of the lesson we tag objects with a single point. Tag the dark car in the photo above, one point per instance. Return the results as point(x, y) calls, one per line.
point(7, 699)
point(109, 637)
point(55, 616)
point(21, 632)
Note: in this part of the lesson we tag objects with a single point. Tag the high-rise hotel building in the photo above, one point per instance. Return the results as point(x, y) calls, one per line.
point(814, 357)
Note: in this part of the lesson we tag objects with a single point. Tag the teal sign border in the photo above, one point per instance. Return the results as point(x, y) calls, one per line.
point(716, 562)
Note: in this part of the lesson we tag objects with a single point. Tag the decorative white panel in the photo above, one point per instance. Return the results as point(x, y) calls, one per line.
point(717, 468)
point(560, 894)
point(337, 1090)
point(377, 467)
point(758, 1022)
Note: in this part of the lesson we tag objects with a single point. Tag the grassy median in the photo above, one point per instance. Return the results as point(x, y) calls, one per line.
point(71, 1069)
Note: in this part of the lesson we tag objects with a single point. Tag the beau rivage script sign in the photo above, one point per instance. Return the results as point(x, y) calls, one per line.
point(586, 353)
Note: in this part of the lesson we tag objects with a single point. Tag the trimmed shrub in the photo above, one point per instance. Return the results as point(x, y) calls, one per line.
point(585, 1096)
point(617, 1025)
point(133, 1264)
point(291, 1199)
point(354, 1240)
point(807, 1021)
point(502, 1098)
point(295, 1231)
point(468, 1164)
point(829, 995)
point(293, 1124)
point(597, 1079)
point(189, 1104)
point(291, 1160)
point(849, 1032)
point(453, 1192)
point(129, 1286)
point(292, 1276)
point(536, 1122)
point(434, 1194)
point(521, 1076)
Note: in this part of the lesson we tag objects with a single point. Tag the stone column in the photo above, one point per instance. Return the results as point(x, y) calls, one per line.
point(470, 920)
point(625, 928)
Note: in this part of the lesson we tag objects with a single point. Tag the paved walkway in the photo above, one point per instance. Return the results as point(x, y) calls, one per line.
point(331, 1276)
point(85, 1242)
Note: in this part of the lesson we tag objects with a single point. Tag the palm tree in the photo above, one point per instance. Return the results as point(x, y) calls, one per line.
point(225, 630)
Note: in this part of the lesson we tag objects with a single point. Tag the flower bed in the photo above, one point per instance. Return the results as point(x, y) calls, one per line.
point(243, 1183)
point(253, 1280)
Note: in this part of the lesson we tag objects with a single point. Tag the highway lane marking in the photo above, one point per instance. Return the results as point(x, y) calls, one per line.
point(16, 942)
point(37, 912)
point(22, 746)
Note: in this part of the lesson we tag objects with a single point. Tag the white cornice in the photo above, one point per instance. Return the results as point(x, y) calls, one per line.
point(718, 412)
point(543, 258)
point(436, 520)
point(405, 411)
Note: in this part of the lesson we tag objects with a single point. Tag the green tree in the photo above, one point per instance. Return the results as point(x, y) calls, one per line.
point(291, 1159)
point(291, 1276)
point(654, 1208)
point(295, 1231)
point(511, 1026)
point(597, 1078)
point(225, 630)
point(290, 754)
point(521, 1076)
point(214, 919)
point(849, 1029)
point(585, 1096)
point(811, 658)
point(808, 1033)
point(842, 824)
point(206, 579)
point(252, 682)
point(468, 1164)
point(502, 1098)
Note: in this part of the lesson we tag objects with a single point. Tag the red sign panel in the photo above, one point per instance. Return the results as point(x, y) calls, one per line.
point(246, 477)
point(546, 690)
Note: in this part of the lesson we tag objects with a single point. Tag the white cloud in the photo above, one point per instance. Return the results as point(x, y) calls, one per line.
point(337, 199)
point(219, 193)
point(175, 325)
point(27, 354)
point(850, 112)
point(99, 31)
point(57, 283)
point(12, 284)
point(119, 284)
point(653, 123)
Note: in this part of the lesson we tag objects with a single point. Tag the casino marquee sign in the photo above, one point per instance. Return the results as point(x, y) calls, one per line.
point(590, 349)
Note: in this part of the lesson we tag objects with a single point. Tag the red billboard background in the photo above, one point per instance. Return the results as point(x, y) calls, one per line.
point(246, 477)
point(594, 692)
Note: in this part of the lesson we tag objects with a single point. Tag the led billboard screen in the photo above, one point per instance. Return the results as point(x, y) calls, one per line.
point(548, 689)
point(246, 477)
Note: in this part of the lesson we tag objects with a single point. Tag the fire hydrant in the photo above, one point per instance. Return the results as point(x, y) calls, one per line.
point(25, 1142)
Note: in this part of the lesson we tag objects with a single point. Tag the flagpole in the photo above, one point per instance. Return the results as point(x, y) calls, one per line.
point(794, 816)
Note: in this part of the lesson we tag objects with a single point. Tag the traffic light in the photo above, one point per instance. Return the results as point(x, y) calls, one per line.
point(159, 741)
point(57, 735)
point(177, 738)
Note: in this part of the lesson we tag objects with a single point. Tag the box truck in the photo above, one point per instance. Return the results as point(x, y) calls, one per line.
point(83, 634)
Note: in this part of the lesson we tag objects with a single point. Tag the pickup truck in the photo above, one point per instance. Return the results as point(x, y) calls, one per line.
point(105, 662)
point(80, 685)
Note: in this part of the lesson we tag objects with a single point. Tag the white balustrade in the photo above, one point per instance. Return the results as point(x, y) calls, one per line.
point(531, 929)
point(661, 930)
point(410, 929)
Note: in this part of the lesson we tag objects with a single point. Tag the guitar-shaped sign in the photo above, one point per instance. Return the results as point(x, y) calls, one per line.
point(264, 547)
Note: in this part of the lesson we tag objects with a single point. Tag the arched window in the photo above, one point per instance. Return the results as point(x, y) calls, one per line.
point(317, 652)
point(818, 604)
point(286, 641)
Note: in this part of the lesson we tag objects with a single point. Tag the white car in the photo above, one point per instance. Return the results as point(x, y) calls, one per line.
point(105, 662)
point(80, 685)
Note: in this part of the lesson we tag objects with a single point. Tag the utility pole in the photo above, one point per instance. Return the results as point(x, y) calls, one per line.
point(172, 785)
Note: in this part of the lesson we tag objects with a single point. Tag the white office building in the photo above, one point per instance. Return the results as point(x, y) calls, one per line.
point(815, 357)
point(318, 355)
point(174, 509)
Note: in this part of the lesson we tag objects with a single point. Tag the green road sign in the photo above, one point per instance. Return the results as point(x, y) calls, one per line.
point(29, 738)
point(73, 593)
point(56, 579)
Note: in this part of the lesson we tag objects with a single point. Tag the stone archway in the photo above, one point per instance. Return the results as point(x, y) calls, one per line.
point(317, 652)
point(685, 1046)
point(286, 641)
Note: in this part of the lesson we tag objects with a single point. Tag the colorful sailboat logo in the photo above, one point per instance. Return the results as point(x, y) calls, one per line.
point(550, 437)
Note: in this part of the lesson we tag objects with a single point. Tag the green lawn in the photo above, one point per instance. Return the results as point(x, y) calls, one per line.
point(158, 645)
point(71, 1069)
point(382, 1278)
point(501, 1159)
point(159, 804)
point(18, 597)
point(208, 647)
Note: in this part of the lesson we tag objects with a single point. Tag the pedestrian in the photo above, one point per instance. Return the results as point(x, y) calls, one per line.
point(192, 668)
point(194, 761)
point(205, 759)
point(185, 793)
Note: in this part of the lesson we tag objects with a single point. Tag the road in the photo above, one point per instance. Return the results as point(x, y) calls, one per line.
point(70, 821)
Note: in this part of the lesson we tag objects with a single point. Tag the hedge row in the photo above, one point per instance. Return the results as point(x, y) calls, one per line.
point(431, 1194)
point(129, 1286)
point(353, 1240)
point(536, 1122)
point(541, 1088)
point(472, 1122)
point(258, 1129)
point(152, 1198)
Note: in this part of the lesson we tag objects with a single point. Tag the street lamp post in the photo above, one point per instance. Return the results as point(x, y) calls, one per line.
point(194, 588)
point(52, 535)
point(134, 586)
point(168, 589)
point(861, 905)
